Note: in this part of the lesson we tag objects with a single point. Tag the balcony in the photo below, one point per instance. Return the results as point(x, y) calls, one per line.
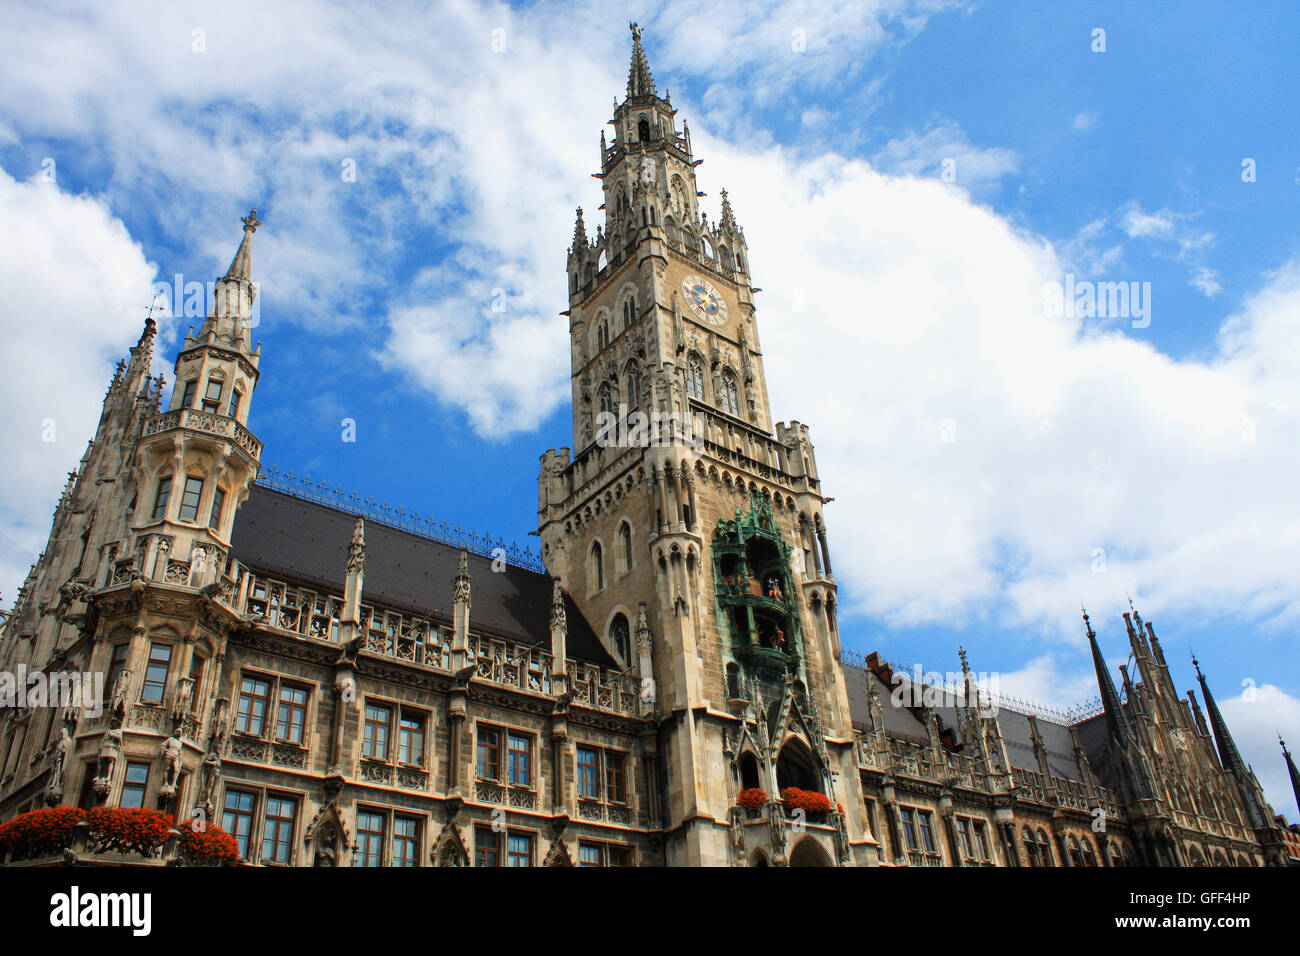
point(208, 423)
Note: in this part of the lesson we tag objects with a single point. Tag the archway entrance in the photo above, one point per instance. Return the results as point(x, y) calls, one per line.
point(809, 852)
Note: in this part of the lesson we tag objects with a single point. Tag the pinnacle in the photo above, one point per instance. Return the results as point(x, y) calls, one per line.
point(241, 267)
point(639, 80)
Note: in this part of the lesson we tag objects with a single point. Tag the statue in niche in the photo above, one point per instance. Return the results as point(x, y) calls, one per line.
point(326, 849)
point(170, 749)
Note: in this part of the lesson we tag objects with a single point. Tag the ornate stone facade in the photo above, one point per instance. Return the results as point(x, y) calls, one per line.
point(341, 690)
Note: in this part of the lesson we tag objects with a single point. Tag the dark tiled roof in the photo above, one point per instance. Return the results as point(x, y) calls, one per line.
point(305, 542)
point(901, 722)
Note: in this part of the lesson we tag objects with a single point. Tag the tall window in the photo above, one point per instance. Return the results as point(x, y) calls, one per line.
point(588, 773)
point(520, 759)
point(212, 396)
point(629, 311)
point(134, 785)
point(292, 714)
point(155, 674)
point(730, 395)
point(924, 818)
point(236, 398)
point(620, 637)
point(606, 399)
point(908, 817)
point(406, 841)
point(218, 502)
point(254, 701)
point(633, 386)
point(695, 379)
point(190, 498)
point(489, 753)
point(625, 547)
point(410, 742)
point(981, 841)
point(187, 396)
point(519, 849)
point(160, 499)
point(370, 838)
point(615, 788)
point(237, 818)
point(487, 847)
point(277, 832)
point(597, 567)
point(116, 664)
point(196, 680)
point(1045, 848)
point(374, 743)
point(602, 335)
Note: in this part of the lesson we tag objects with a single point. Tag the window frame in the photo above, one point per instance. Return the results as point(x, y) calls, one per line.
point(150, 661)
point(162, 498)
point(128, 785)
point(193, 509)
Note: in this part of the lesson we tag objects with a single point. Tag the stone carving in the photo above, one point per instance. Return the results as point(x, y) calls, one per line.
point(170, 750)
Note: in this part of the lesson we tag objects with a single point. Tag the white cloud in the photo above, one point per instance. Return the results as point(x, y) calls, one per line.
point(1085, 122)
point(944, 148)
point(1207, 282)
point(1255, 717)
point(76, 287)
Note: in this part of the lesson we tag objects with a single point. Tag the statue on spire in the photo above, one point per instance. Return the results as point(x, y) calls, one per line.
point(251, 222)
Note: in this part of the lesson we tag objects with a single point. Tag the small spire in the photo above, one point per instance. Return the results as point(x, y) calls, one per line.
point(728, 217)
point(357, 548)
point(639, 80)
point(460, 594)
point(559, 617)
point(1291, 769)
point(580, 233)
point(241, 267)
point(965, 667)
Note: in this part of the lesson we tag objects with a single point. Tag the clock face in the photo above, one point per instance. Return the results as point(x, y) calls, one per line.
point(705, 301)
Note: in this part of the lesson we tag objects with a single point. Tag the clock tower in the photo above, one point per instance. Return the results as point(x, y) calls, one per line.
point(686, 527)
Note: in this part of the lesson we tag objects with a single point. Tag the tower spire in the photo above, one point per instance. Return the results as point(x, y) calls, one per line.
point(241, 267)
point(1230, 755)
point(639, 80)
point(1115, 718)
point(1290, 768)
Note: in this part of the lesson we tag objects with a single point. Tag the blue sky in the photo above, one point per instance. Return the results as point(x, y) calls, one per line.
point(832, 127)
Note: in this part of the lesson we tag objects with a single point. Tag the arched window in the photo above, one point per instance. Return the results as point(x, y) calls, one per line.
point(629, 311)
point(633, 385)
point(643, 131)
point(596, 568)
point(606, 399)
point(1076, 854)
point(1031, 847)
point(795, 767)
point(748, 771)
point(1089, 856)
point(730, 394)
point(620, 637)
point(625, 547)
point(1115, 858)
point(695, 378)
point(602, 334)
point(1045, 848)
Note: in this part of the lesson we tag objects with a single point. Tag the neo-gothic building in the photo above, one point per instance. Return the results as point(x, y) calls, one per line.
point(338, 688)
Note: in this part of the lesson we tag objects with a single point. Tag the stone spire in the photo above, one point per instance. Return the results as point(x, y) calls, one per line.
point(355, 574)
point(559, 636)
point(1115, 718)
point(241, 267)
point(230, 319)
point(1290, 769)
point(639, 80)
point(580, 234)
point(728, 222)
point(1229, 755)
